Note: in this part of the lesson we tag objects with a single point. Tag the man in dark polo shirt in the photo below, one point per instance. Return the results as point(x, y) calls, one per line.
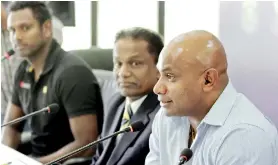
point(50, 75)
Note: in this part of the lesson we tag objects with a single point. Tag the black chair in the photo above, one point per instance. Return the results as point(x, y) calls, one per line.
point(97, 58)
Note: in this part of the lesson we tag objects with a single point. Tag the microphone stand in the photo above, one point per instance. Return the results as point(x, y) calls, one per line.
point(24, 117)
point(85, 147)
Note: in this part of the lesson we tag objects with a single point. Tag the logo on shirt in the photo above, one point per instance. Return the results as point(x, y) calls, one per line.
point(24, 85)
point(29, 69)
point(44, 90)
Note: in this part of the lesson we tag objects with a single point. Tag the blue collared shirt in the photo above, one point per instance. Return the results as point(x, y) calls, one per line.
point(234, 132)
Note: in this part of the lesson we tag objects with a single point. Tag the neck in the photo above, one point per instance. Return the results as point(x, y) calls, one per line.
point(196, 119)
point(37, 61)
point(203, 108)
point(132, 99)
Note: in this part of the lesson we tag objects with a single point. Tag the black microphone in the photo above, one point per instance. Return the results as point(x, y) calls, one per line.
point(51, 108)
point(134, 127)
point(7, 55)
point(185, 156)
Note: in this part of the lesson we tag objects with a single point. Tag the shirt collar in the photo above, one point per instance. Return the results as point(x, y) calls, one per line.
point(50, 59)
point(222, 107)
point(136, 104)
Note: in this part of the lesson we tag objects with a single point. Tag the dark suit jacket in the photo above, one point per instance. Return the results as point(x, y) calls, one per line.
point(132, 147)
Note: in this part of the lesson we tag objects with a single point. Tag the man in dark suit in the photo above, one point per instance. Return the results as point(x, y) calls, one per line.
point(135, 55)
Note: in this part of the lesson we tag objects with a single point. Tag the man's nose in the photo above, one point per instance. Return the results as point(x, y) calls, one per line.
point(17, 37)
point(160, 88)
point(124, 71)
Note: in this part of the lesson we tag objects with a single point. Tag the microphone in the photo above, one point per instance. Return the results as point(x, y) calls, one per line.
point(134, 127)
point(185, 156)
point(7, 55)
point(51, 108)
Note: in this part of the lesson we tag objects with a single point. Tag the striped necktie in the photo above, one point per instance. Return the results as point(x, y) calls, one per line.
point(126, 117)
point(125, 121)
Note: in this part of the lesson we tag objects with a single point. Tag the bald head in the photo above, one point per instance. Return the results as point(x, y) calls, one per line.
point(196, 63)
point(196, 50)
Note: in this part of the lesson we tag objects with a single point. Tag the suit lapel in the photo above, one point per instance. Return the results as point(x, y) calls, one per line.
point(114, 117)
point(117, 118)
point(148, 105)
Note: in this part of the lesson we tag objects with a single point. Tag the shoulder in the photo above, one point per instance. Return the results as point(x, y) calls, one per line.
point(69, 59)
point(245, 114)
point(245, 137)
point(73, 66)
point(245, 124)
point(21, 69)
point(248, 130)
point(243, 142)
point(114, 101)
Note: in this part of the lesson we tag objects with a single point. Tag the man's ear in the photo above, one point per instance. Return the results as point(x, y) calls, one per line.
point(47, 28)
point(210, 78)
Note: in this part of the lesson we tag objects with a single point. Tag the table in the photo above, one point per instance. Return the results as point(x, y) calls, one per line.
point(9, 156)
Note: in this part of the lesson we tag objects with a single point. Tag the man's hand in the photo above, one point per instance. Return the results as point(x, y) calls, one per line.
point(11, 134)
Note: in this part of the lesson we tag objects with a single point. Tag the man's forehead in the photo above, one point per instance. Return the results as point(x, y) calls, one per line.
point(178, 56)
point(170, 56)
point(20, 16)
point(162, 58)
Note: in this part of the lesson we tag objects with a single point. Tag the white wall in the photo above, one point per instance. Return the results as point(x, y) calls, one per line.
point(249, 33)
point(186, 15)
point(116, 15)
point(79, 37)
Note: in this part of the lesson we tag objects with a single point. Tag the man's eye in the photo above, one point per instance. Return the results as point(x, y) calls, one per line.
point(117, 64)
point(135, 63)
point(25, 28)
point(170, 77)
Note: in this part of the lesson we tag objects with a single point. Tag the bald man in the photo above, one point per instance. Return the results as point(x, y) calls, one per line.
point(201, 110)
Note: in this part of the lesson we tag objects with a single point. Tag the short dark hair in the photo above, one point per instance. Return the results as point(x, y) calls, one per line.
point(154, 39)
point(39, 9)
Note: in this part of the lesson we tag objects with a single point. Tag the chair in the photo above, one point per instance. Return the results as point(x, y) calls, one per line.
point(107, 84)
point(97, 58)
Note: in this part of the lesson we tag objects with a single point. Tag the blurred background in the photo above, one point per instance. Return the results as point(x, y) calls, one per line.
point(248, 30)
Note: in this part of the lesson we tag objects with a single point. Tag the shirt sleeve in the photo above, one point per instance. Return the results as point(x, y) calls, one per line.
point(16, 86)
point(15, 97)
point(246, 146)
point(153, 156)
point(78, 91)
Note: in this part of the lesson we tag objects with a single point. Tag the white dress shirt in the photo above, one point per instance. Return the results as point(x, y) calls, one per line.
point(136, 104)
point(234, 132)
